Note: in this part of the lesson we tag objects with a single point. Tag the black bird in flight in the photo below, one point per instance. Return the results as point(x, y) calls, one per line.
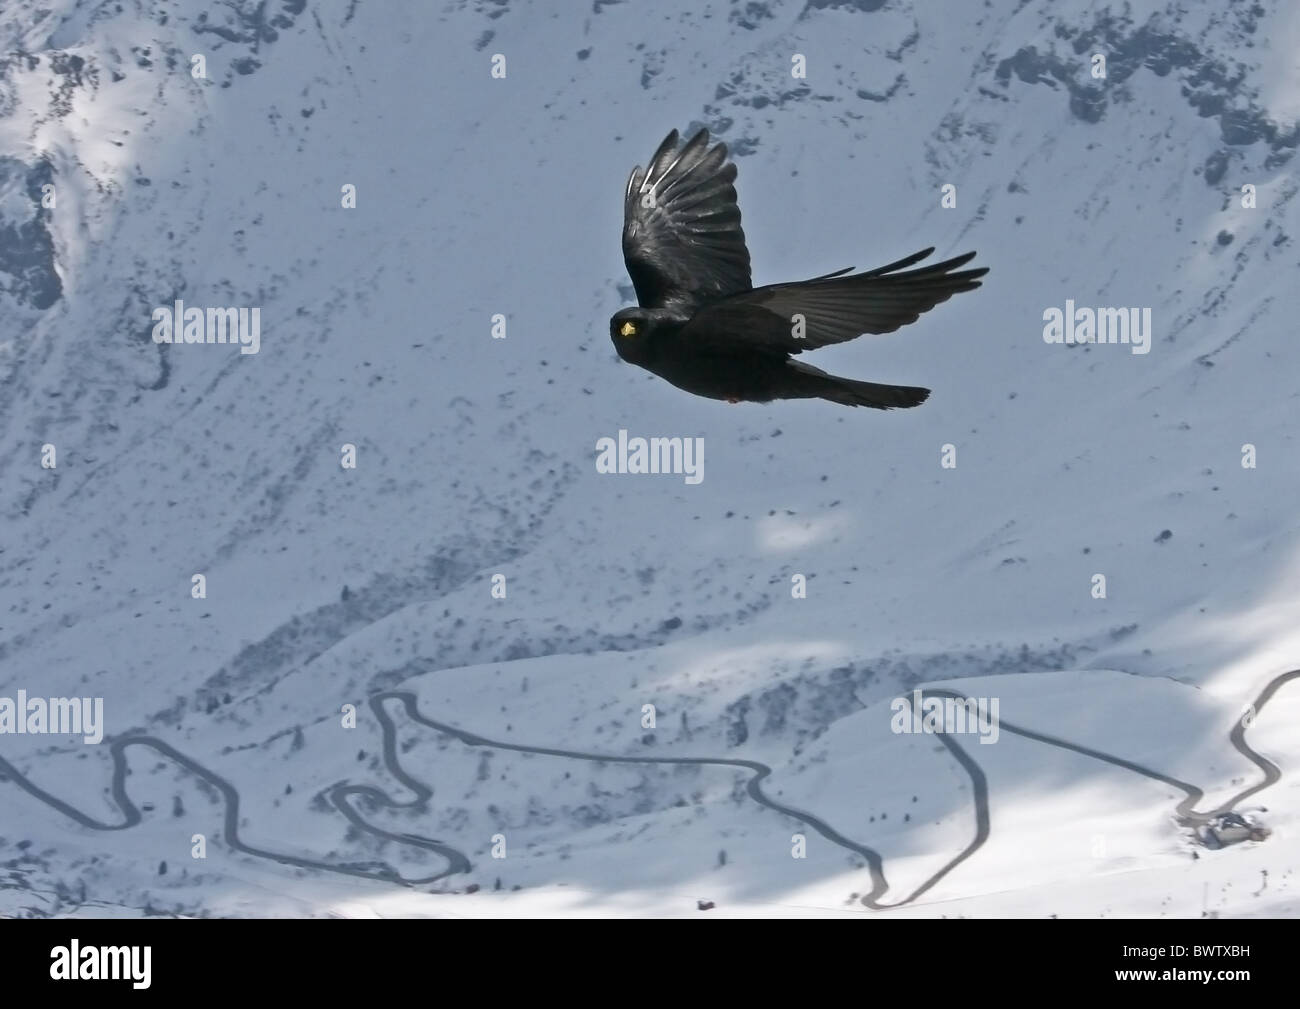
point(705, 328)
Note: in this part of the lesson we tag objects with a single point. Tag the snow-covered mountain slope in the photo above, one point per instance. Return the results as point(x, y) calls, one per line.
point(479, 196)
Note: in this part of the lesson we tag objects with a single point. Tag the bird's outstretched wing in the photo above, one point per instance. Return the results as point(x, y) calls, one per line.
point(833, 308)
point(682, 240)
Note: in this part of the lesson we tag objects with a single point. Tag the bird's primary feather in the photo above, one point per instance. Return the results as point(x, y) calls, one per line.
point(682, 239)
point(833, 308)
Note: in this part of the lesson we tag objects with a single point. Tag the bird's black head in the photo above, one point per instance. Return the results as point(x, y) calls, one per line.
point(632, 330)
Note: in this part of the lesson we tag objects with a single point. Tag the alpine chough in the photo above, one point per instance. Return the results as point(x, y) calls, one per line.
point(705, 328)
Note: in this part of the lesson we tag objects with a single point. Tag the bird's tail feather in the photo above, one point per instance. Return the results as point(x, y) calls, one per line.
point(850, 392)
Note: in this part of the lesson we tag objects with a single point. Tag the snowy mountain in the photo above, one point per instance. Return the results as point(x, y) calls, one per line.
point(675, 691)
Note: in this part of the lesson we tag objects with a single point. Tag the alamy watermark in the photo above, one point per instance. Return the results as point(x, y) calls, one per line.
point(75, 962)
point(955, 715)
point(684, 456)
point(1100, 325)
point(178, 324)
point(53, 716)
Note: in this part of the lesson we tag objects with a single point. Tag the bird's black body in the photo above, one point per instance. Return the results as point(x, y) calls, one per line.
point(702, 326)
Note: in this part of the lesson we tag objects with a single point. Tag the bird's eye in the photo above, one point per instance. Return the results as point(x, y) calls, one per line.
point(627, 329)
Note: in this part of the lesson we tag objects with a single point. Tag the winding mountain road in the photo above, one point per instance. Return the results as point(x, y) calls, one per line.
point(343, 795)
